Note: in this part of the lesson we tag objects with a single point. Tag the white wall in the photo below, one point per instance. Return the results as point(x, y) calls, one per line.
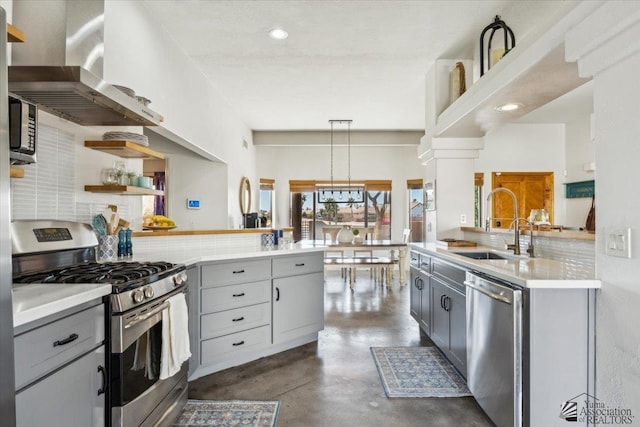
point(526, 148)
point(579, 151)
point(617, 95)
point(381, 162)
point(139, 54)
point(616, 103)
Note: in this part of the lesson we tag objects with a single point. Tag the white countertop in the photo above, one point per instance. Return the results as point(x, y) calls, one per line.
point(34, 301)
point(521, 270)
point(192, 256)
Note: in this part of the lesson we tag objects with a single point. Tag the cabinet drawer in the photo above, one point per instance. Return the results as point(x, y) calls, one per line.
point(218, 349)
point(48, 347)
point(301, 264)
point(235, 272)
point(239, 319)
point(234, 296)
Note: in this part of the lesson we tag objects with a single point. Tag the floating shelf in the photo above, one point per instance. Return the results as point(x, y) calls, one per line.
point(125, 149)
point(16, 172)
point(126, 190)
point(15, 35)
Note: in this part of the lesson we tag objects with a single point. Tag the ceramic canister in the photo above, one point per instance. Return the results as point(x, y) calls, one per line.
point(267, 240)
point(107, 248)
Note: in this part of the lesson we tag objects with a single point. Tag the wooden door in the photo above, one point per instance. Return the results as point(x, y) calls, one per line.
point(534, 190)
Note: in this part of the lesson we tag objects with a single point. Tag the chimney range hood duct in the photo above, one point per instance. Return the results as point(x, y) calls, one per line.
point(77, 95)
point(61, 66)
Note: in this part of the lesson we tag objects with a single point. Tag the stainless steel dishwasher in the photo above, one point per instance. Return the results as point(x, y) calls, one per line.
point(494, 348)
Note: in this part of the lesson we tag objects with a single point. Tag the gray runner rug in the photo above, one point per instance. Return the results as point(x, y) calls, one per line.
point(417, 372)
point(223, 413)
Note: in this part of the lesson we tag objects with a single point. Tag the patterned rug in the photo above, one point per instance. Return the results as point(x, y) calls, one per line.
point(221, 413)
point(417, 372)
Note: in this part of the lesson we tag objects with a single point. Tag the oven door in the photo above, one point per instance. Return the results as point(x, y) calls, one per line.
point(136, 346)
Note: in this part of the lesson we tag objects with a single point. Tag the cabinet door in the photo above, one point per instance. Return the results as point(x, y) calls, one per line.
point(298, 306)
point(67, 398)
point(439, 316)
point(458, 330)
point(414, 307)
point(425, 304)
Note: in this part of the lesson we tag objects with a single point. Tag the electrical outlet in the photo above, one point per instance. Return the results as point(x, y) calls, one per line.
point(618, 242)
point(463, 219)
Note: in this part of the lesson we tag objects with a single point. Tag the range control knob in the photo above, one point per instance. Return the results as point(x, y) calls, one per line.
point(137, 296)
point(148, 291)
point(180, 278)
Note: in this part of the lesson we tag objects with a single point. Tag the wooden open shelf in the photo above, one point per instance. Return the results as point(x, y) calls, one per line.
point(123, 190)
point(16, 172)
point(125, 149)
point(15, 35)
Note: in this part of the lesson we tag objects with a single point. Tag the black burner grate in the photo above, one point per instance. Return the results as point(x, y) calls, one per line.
point(119, 274)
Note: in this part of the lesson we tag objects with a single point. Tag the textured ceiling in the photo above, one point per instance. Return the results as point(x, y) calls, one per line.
point(359, 60)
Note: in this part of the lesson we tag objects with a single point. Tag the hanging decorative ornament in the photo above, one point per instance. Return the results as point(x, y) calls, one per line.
point(494, 55)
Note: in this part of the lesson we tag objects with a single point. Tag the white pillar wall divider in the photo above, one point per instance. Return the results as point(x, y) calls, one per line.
point(450, 162)
point(606, 46)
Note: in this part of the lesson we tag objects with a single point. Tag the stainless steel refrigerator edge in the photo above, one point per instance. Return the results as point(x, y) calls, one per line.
point(7, 381)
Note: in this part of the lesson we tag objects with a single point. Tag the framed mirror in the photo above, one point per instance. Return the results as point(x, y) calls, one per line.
point(245, 195)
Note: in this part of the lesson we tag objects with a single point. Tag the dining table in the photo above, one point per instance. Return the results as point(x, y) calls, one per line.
point(373, 245)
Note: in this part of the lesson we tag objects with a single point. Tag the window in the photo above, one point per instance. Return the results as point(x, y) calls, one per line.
point(266, 201)
point(416, 209)
point(309, 215)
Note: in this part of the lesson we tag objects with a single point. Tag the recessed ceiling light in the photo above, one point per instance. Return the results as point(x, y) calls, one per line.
point(508, 107)
point(278, 34)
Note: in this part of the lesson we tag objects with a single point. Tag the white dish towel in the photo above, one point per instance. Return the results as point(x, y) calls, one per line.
point(175, 336)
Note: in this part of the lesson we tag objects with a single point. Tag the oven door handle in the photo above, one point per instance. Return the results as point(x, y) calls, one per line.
point(144, 317)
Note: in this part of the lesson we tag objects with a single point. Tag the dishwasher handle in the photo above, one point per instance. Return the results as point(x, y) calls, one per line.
point(487, 292)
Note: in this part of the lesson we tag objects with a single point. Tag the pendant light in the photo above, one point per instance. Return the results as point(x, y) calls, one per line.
point(354, 193)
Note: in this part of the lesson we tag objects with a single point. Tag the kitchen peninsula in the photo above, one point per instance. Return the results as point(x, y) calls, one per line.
point(246, 301)
point(524, 325)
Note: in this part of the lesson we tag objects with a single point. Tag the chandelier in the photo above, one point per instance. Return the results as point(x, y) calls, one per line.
point(340, 193)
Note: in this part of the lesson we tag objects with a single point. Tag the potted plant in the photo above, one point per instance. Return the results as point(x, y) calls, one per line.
point(357, 238)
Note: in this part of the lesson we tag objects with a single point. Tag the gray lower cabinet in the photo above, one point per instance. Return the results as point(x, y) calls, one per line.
point(420, 306)
point(250, 308)
point(72, 396)
point(60, 369)
point(449, 327)
point(298, 307)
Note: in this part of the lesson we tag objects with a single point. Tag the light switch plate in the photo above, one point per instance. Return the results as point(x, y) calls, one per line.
point(618, 242)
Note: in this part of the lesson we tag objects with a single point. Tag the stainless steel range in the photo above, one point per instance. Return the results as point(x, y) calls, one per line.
point(65, 252)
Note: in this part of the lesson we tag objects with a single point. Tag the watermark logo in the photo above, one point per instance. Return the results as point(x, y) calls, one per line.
point(586, 408)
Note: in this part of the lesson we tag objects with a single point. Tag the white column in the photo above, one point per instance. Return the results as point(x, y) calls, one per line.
point(606, 45)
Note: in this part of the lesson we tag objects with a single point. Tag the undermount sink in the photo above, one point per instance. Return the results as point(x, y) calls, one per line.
point(481, 255)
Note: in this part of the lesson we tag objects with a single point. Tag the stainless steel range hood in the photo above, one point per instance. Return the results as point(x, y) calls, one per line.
point(78, 95)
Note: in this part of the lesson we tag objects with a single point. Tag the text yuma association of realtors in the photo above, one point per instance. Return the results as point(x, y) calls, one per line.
point(599, 413)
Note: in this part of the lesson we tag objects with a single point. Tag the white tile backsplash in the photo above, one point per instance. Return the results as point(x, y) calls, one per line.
point(577, 253)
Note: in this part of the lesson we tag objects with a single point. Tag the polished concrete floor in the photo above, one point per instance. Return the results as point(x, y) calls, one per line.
point(334, 382)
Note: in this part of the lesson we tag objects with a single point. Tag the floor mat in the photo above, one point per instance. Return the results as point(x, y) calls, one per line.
point(417, 372)
point(222, 413)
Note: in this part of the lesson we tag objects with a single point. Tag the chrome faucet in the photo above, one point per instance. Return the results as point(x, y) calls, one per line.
point(516, 238)
point(530, 245)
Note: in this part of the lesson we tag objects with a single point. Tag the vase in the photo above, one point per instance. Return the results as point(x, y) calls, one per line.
point(345, 235)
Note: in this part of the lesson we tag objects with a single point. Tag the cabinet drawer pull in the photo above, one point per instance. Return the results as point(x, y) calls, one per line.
point(102, 389)
point(235, 344)
point(300, 264)
point(238, 319)
point(238, 295)
point(277, 294)
point(238, 271)
point(67, 340)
